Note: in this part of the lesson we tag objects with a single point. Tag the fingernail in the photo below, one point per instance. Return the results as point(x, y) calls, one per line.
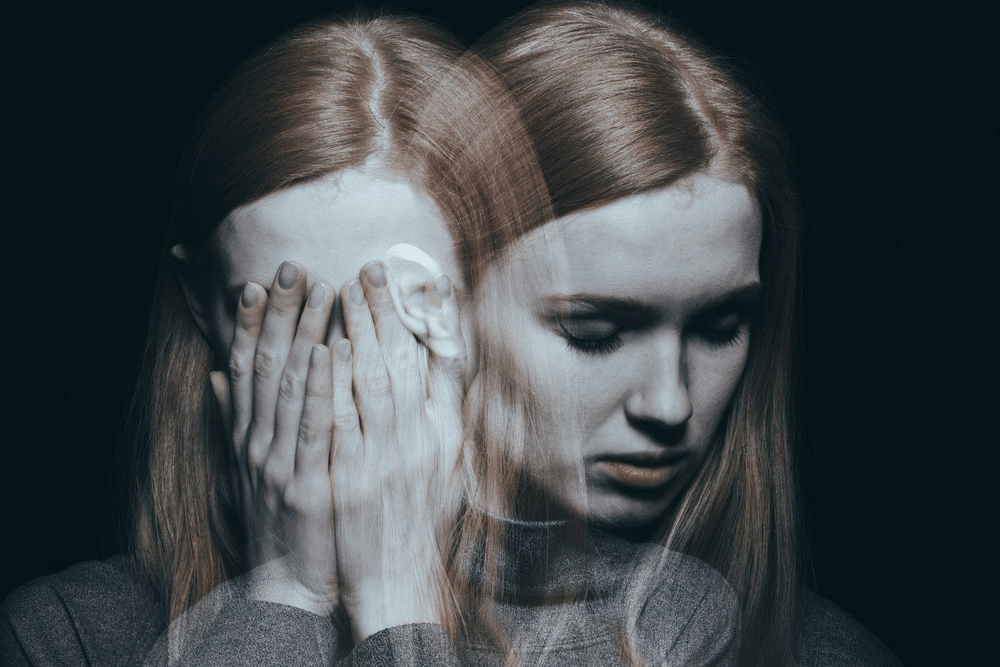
point(317, 296)
point(442, 285)
point(375, 274)
point(357, 293)
point(344, 350)
point(249, 297)
point(287, 276)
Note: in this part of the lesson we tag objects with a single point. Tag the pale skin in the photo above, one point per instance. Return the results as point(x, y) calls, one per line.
point(633, 332)
point(344, 425)
point(656, 384)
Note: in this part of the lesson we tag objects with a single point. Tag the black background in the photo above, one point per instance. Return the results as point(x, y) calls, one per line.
point(888, 115)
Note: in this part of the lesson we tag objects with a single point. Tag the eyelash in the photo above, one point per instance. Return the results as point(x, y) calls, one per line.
point(609, 344)
point(722, 337)
point(594, 346)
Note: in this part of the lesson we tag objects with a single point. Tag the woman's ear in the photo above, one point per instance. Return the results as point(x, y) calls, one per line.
point(425, 300)
point(183, 263)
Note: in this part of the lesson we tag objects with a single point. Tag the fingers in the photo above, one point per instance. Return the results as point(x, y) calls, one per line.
point(372, 390)
point(316, 425)
point(404, 357)
point(293, 390)
point(335, 330)
point(348, 444)
point(249, 318)
point(270, 369)
point(273, 347)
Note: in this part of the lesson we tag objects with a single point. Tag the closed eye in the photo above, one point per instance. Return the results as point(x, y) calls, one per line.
point(722, 329)
point(590, 335)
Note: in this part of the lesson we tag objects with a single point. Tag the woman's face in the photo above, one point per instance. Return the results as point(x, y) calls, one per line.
point(628, 326)
point(331, 227)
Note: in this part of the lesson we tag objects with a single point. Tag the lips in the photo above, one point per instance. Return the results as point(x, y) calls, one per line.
point(641, 471)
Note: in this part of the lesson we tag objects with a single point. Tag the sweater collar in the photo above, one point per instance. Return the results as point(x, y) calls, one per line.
point(551, 561)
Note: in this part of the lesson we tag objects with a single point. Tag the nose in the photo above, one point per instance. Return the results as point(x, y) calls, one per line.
point(660, 396)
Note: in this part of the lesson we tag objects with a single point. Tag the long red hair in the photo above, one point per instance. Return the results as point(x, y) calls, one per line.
point(618, 103)
point(324, 97)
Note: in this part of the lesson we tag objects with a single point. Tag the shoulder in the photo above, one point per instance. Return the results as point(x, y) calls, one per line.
point(96, 612)
point(688, 611)
point(708, 632)
point(687, 582)
point(826, 636)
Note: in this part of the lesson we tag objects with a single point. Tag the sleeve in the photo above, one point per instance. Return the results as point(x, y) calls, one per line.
point(414, 645)
point(232, 625)
point(249, 632)
point(101, 613)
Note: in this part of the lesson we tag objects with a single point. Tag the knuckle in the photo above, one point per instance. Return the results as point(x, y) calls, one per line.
point(312, 432)
point(345, 421)
point(305, 497)
point(239, 366)
point(285, 304)
point(274, 475)
point(291, 386)
point(266, 363)
point(256, 455)
point(292, 497)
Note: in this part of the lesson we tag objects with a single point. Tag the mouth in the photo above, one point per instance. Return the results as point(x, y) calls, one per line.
point(641, 471)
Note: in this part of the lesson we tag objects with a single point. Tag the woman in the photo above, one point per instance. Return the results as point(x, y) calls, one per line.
point(253, 538)
point(339, 140)
point(634, 380)
point(694, 608)
point(669, 180)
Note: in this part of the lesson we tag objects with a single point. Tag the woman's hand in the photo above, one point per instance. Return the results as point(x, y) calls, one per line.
point(397, 443)
point(279, 396)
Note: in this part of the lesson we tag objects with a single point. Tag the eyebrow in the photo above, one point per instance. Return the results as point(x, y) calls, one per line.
point(739, 297)
point(601, 305)
point(627, 307)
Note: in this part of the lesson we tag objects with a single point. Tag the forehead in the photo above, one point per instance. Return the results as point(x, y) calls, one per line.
point(332, 226)
point(691, 239)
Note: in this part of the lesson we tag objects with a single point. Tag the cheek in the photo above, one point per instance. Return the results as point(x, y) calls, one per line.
point(216, 315)
point(715, 384)
point(543, 378)
point(224, 325)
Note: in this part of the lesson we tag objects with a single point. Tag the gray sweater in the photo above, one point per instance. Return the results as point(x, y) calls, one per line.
point(102, 613)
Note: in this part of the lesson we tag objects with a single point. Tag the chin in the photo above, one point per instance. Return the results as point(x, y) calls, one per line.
point(628, 516)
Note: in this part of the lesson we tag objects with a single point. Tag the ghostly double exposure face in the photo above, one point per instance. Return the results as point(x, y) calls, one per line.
point(627, 326)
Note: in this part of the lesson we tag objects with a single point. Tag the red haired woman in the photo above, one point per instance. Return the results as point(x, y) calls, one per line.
point(339, 140)
point(672, 189)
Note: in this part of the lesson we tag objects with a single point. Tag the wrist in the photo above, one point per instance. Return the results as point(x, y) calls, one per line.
point(275, 582)
point(392, 607)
